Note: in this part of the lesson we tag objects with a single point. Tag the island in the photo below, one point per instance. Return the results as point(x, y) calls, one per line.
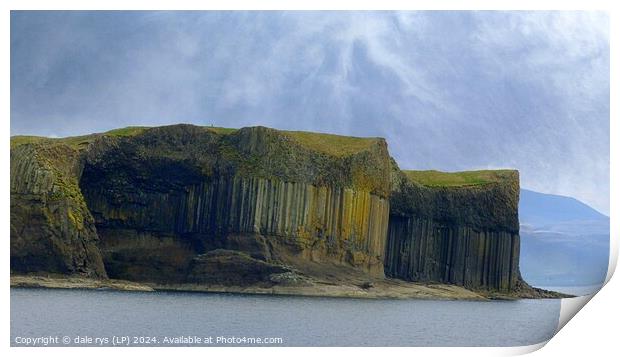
point(258, 210)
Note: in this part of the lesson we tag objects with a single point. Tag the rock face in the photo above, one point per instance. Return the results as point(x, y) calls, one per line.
point(164, 196)
point(232, 267)
point(466, 235)
point(52, 229)
point(188, 204)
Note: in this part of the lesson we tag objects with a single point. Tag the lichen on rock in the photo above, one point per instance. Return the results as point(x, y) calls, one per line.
point(202, 205)
point(52, 229)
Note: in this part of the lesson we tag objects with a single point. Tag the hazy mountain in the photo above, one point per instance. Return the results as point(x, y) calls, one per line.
point(563, 241)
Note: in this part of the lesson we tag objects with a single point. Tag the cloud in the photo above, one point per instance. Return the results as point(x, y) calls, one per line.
point(564, 57)
point(449, 90)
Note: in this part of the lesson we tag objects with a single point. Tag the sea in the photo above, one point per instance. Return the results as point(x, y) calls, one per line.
point(75, 317)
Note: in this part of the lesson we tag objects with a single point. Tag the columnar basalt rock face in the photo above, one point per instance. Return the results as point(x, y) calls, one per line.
point(150, 202)
point(264, 217)
point(175, 204)
point(423, 250)
point(466, 235)
point(51, 227)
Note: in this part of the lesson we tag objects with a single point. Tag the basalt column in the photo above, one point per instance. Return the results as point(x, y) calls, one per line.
point(466, 236)
point(332, 223)
point(164, 197)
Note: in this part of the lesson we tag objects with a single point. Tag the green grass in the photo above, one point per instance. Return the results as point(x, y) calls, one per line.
point(72, 141)
point(330, 144)
point(128, 131)
point(221, 131)
point(24, 139)
point(432, 178)
point(75, 142)
point(334, 145)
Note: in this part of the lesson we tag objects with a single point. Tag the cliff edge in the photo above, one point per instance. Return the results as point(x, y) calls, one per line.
point(184, 205)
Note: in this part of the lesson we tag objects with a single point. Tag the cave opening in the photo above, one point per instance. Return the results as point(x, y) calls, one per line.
point(138, 206)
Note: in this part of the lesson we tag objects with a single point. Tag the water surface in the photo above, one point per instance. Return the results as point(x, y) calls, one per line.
point(298, 321)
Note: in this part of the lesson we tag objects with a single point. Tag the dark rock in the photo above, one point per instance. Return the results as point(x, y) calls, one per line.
point(366, 285)
point(150, 201)
point(183, 203)
point(52, 229)
point(466, 236)
point(230, 267)
point(290, 278)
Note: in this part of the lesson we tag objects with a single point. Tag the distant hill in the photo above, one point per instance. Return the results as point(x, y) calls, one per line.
point(540, 209)
point(563, 241)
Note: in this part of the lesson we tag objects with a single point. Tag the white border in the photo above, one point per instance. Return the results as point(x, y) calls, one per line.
point(312, 5)
point(591, 331)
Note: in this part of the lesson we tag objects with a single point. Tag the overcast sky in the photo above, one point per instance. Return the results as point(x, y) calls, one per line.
point(449, 90)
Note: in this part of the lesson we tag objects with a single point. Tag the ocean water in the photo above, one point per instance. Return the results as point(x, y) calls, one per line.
point(580, 290)
point(107, 318)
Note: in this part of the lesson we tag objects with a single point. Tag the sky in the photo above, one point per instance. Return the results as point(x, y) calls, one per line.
point(448, 90)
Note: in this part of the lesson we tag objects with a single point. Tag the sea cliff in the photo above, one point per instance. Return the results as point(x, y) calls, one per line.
point(463, 232)
point(257, 209)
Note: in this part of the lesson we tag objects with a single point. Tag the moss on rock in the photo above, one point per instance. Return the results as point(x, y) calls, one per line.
point(52, 229)
point(151, 203)
point(433, 178)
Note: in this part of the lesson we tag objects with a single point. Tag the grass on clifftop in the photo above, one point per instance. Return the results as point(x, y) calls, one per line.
point(76, 142)
point(433, 178)
point(330, 144)
point(334, 145)
point(128, 131)
point(25, 139)
point(221, 131)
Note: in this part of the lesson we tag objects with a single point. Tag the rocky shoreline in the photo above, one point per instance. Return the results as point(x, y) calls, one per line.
point(36, 281)
point(378, 289)
point(258, 210)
